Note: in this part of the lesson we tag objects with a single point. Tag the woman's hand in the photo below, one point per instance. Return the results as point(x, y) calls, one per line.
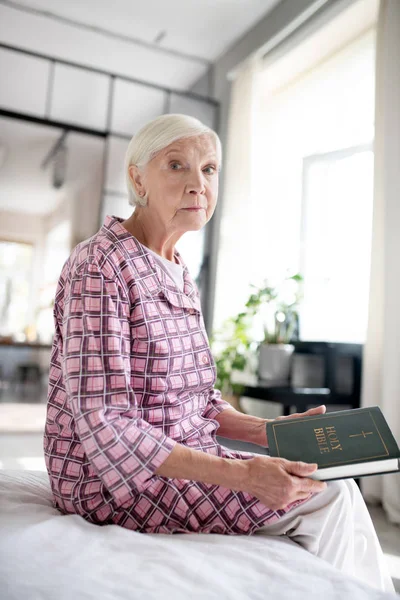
point(261, 433)
point(318, 410)
point(277, 482)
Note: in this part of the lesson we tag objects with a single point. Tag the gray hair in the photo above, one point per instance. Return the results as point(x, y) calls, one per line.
point(154, 137)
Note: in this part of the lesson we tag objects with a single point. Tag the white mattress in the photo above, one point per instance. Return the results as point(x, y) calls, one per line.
point(47, 556)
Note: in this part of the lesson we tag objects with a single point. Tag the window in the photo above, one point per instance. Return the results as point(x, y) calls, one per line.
point(314, 188)
point(15, 287)
point(336, 244)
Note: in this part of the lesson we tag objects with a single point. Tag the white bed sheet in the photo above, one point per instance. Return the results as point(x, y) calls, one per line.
point(48, 556)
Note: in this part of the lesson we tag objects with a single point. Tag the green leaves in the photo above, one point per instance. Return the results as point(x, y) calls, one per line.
point(281, 302)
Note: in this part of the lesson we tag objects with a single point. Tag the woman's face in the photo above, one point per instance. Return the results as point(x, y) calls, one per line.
point(181, 182)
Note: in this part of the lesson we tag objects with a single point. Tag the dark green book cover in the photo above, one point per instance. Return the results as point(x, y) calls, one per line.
point(338, 438)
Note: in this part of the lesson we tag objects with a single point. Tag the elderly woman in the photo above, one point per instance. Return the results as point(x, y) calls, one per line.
point(132, 412)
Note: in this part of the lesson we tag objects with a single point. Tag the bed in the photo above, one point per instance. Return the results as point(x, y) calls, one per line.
point(45, 556)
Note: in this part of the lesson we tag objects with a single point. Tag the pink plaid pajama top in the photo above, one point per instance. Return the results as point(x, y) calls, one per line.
point(132, 375)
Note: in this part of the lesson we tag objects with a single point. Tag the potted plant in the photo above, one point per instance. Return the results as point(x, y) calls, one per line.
point(232, 347)
point(277, 305)
point(235, 346)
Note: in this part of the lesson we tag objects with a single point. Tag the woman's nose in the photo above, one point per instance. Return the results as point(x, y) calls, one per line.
point(195, 184)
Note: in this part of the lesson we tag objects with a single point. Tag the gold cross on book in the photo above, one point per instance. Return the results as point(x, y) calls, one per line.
point(363, 433)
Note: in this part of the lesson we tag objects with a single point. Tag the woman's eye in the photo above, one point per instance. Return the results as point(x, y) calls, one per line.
point(210, 169)
point(213, 169)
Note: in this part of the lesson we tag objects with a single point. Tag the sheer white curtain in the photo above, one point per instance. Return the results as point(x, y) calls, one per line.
point(238, 203)
point(381, 379)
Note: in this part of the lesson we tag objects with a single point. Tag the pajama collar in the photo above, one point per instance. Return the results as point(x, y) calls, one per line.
point(151, 276)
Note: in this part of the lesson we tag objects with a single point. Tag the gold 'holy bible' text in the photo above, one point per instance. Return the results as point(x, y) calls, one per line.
point(327, 439)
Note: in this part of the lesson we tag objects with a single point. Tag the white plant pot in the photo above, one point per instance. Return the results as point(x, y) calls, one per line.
point(274, 363)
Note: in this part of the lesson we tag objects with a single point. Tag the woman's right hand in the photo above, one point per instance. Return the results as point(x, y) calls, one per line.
point(277, 482)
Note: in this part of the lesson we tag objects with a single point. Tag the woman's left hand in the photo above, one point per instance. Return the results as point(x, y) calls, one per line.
point(318, 410)
point(263, 441)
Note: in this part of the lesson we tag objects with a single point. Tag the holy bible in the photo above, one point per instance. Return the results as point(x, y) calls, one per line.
point(346, 443)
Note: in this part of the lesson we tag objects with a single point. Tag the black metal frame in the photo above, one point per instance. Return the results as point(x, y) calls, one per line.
point(110, 74)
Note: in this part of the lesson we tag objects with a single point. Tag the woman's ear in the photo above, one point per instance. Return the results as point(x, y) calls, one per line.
point(136, 178)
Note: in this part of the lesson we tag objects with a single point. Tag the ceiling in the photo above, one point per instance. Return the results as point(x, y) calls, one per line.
point(175, 40)
point(198, 28)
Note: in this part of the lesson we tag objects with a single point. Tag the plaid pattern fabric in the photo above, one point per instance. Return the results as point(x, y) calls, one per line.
point(131, 376)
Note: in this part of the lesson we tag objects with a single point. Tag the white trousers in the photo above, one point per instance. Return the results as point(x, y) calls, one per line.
point(336, 526)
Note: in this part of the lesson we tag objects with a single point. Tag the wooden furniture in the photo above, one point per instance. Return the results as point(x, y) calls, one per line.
point(10, 343)
point(331, 393)
point(23, 367)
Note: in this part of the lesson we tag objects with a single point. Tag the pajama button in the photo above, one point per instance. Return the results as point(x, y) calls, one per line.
point(205, 359)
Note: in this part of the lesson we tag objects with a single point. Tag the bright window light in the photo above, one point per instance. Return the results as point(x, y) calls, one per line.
point(15, 286)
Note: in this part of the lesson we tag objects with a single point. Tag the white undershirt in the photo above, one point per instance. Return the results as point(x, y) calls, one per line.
point(174, 270)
